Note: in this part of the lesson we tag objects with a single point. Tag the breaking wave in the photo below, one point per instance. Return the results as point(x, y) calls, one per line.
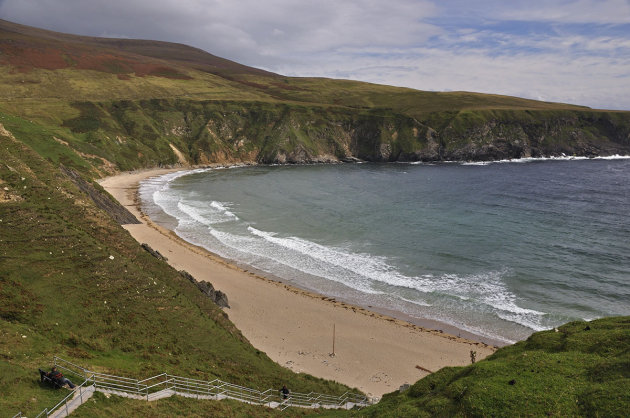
point(214, 225)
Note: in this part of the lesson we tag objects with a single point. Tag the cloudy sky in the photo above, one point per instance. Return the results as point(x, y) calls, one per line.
point(575, 51)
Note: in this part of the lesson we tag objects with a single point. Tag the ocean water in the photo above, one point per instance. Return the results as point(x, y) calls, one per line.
point(497, 250)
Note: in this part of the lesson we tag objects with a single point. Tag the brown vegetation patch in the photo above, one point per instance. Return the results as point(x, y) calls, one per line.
point(106, 63)
point(245, 82)
point(25, 58)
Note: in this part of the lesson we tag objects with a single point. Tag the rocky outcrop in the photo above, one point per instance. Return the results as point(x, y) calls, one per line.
point(101, 198)
point(497, 136)
point(207, 289)
point(154, 253)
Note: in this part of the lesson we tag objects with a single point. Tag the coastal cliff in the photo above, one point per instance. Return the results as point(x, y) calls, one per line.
point(132, 134)
point(127, 104)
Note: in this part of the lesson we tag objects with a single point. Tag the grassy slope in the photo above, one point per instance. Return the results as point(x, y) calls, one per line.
point(581, 370)
point(61, 293)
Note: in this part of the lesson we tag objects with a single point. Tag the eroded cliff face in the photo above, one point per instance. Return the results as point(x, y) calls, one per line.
point(306, 137)
point(538, 134)
point(173, 131)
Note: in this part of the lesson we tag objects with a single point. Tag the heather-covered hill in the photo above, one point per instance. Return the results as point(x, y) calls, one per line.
point(40, 53)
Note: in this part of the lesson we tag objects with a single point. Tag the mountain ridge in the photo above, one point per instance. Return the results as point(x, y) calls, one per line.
point(118, 50)
point(134, 47)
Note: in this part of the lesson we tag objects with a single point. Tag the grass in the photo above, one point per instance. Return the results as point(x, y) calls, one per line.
point(42, 140)
point(583, 369)
point(75, 284)
point(70, 84)
point(102, 406)
point(360, 95)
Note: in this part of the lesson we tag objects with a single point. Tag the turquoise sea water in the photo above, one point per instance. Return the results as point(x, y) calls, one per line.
point(498, 250)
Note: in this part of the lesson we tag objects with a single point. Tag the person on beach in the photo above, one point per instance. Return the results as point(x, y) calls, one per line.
point(56, 376)
point(284, 391)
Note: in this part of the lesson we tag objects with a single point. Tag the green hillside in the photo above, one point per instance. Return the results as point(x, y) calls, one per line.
point(73, 283)
point(582, 369)
point(37, 63)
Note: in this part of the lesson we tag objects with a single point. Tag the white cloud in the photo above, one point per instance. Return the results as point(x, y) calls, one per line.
point(551, 11)
point(242, 30)
point(567, 11)
point(425, 44)
point(550, 77)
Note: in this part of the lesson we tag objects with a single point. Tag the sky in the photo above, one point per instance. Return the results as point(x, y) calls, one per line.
point(571, 51)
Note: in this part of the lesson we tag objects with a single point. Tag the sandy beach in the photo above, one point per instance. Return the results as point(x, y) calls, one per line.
point(372, 352)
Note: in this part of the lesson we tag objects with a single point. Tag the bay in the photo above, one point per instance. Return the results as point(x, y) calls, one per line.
point(495, 250)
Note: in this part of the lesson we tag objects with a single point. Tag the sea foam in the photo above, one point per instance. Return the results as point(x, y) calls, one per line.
point(500, 291)
point(363, 272)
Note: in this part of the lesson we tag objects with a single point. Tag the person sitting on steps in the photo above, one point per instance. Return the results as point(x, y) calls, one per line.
point(56, 376)
point(284, 391)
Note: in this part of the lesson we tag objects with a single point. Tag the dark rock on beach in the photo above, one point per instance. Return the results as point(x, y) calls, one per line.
point(206, 288)
point(153, 252)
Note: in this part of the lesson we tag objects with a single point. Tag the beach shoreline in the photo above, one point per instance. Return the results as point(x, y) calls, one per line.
point(373, 351)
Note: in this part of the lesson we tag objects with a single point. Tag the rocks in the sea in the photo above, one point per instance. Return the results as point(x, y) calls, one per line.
point(207, 289)
point(153, 252)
